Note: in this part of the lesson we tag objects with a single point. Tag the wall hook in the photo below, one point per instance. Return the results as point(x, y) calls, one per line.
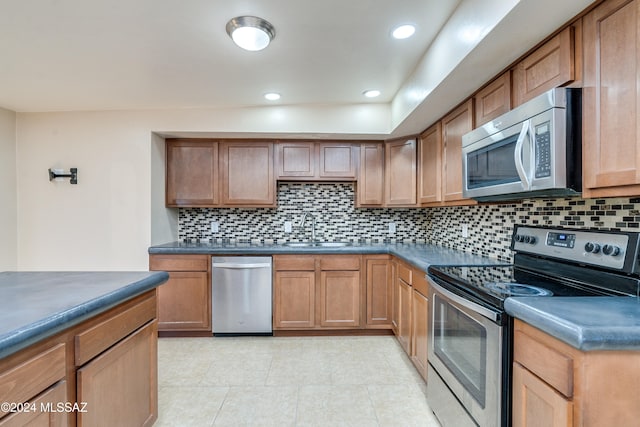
point(57, 173)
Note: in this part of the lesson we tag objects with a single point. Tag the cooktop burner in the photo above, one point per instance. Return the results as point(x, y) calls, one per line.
point(509, 289)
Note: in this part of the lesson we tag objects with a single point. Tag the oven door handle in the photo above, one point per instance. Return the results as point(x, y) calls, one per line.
point(477, 308)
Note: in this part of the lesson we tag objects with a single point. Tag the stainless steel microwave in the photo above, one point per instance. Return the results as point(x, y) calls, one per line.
point(534, 150)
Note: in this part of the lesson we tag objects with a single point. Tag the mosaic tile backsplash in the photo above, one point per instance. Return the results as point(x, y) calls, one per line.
point(332, 205)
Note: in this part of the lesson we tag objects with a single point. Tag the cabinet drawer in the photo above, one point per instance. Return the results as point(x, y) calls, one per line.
point(95, 340)
point(179, 262)
point(553, 367)
point(404, 273)
point(33, 376)
point(40, 416)
point(339, 262)
point(294, 263)
point(420, 283)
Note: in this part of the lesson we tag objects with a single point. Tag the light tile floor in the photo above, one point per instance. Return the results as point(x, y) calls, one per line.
point(277, 381)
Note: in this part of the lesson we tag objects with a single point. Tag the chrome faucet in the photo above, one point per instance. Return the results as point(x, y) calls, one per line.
point(313, 224)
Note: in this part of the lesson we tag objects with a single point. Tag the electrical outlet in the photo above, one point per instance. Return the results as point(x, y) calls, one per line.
point(465, 230)
point(287, 226)
point(392, 227)
point(215, 226)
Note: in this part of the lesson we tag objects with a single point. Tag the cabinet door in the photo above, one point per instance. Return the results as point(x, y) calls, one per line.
point(493, 100)
point(454, 125)
point(419, 328)
point(404, 316)
point(120, 385)
point(395, 300)
point(339, 298)
point(338, 160)
point(247, 174)
point(378, 292)
point(184, 302)
point(430, 165)
point(610, 100)
point(400, 172)
point(192, 173)
point(47, 413)
point(294, 299)
point(550, 66)
point(537, 404)
point(371, 178)
point(296, 160)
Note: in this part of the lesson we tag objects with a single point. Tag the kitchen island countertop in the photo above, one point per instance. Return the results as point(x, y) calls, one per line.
point(37, 305)
point(585, 323)
point(419, 255)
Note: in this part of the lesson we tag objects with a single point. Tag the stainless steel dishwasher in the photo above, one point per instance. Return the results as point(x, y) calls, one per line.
point(241, 296)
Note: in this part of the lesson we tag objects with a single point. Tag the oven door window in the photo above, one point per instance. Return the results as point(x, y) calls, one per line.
point(493, 164)
point(461, 344)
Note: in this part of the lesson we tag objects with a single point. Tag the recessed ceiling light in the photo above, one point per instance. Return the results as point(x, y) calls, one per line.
point(371, 93)
point(250, 32)
point(403, 31)
point(272, 96)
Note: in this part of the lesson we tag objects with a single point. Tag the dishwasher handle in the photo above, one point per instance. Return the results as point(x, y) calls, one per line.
point(237, 266)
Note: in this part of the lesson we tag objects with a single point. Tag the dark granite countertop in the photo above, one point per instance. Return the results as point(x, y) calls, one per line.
point(37, 305)
point(419, 255)
point(586, 323)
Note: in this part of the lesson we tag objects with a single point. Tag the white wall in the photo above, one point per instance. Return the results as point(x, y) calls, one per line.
point(108, 220)
point(8, 191)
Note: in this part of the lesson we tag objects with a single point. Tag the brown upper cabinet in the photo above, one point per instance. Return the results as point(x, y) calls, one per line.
point(370, 185)
point(316, 161)
point(430, 165)
point(400, 172)
point(493, 100)
point(454, 125)
point(192, 173)
point(549, 66)
point(247, 174)
point(611, 155)
point(204, 173)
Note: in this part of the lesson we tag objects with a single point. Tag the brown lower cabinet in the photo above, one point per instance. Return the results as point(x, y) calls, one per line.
point(317, 292)
point(379, 276)
point(101, 372)
point(411, 313)
point(184, 301)
point(557, 385)
point(419, 323)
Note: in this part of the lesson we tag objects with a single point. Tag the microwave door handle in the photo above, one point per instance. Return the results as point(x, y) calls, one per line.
point(517, 155)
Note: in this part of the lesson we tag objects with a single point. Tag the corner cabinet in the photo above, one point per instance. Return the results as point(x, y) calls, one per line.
point(557, 385)
point(611, 131)
point(370, 184)
point(430, 166)
point(247, 174)
point(454, 125)
point(191, 173)
point(400, 172)
point(379, 298)
point(184, 301)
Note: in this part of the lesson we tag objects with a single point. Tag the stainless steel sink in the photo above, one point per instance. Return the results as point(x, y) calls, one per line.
point(319, 244)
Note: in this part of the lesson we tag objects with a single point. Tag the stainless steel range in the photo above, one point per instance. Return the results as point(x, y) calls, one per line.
point(470, 336)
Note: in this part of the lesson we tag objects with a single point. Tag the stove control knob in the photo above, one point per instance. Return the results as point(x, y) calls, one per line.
point(611, 250)
point(532, 240)
point(594, 248)
point(519, 238)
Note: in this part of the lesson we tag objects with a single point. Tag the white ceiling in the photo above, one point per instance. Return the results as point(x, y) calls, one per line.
point(77, 55)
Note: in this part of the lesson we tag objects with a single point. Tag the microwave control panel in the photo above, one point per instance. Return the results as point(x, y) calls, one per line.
point(542, 135)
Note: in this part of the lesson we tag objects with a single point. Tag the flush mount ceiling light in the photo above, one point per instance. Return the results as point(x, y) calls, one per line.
point(371, 93)
point(403, 31)
point(250, 32)
point(272, 96)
